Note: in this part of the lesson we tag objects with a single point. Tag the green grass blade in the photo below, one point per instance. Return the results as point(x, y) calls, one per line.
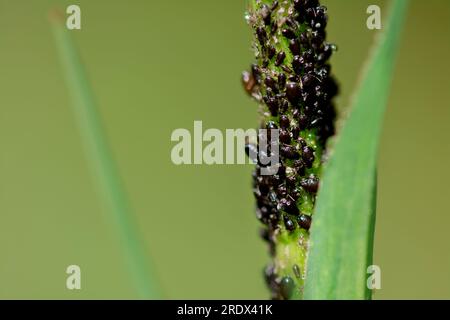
point(101, 161)
point(341, 244)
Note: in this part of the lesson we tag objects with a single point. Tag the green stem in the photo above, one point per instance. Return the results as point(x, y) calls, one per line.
point(101, 161)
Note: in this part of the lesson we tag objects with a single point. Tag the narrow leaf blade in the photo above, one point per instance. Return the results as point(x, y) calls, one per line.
point(102, 164)
point(341, 244)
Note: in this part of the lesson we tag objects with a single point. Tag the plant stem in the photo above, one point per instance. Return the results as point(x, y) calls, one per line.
point(103, 167)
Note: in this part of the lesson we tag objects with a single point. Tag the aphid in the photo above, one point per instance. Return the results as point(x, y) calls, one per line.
point(280, 58)
point(307, 81)
point(297, 65)
point(284, 136)
point(265, 14)
point(282, 171)
point(293, 92)
point(291, 207)
point(248, 82)
point(289, 152)
point(294, 46)
point(289, 224)
point(291, 181)
point(273, 105)
point(282, 191)
point(264, 189)
point(295, 132)
point(271, 83)
point(281, 80)
point(299, 167)
point(256, 72)
point(311, 184)
point(262, 35)
point(308, 156)
point(304, 39)
point(286, 69)
point(297, 271)
point(304, 221)
point(271, 51)
point(287, 287)
point(308, 56)
point(288, 33)
point(284, 121)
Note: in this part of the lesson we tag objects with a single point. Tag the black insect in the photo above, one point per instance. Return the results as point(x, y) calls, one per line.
point(308, 81)
point(284, 121)
point(284, 136)
point(273, 105)
point(271, 51)
point(280, 58)
point(311, 184)
point(262, 35)
point(271, 83)
point(295, 132)
point(308, 156)
point(288, 33)
point(289, 152)
point(294, 46)
point(281, 81)
point(297, 65)
point(289, 224)
point(265, 14)
point(293, 92)
point(304, 221)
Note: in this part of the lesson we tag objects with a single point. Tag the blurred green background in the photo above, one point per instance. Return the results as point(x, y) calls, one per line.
point(159, 65)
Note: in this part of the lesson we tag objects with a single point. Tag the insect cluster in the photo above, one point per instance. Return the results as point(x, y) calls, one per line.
point(292, 83)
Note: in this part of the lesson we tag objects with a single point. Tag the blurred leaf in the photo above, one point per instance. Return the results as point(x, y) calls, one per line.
point(103, 167)
point(341, 244)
